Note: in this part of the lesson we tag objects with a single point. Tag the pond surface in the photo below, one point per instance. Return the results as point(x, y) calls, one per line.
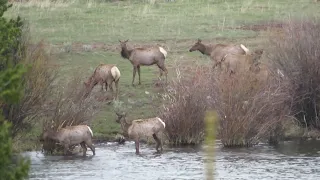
point(291, 160)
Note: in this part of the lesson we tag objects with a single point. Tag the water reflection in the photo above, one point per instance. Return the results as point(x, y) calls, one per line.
point(290, 160)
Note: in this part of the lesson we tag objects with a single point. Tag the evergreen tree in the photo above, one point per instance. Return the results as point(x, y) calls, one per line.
point(10, 92)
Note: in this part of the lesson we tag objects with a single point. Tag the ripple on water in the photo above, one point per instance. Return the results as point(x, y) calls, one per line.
point(119, 162)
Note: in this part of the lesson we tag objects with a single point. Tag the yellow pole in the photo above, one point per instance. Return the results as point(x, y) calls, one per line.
point(211, 120)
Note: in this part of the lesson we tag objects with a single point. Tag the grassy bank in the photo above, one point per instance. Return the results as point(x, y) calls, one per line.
point(83, 34)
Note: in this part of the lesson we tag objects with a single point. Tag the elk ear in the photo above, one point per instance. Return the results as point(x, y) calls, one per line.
point(120, 41)
point(199, 40)
point(126, 40)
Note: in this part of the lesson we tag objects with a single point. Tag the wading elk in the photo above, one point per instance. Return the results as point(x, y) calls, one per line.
point(104, 74)
point(142, 127)
point(71, 135)
point(144, 57)
point(218, 51)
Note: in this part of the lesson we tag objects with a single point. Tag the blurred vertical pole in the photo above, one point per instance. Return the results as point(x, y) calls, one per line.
point(211, 120)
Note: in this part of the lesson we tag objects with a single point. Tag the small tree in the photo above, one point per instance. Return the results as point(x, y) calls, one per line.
point(10, 92)
point(10, 89)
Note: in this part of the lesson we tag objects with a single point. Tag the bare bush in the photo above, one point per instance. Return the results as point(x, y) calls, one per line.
point(249, 109)
point(68, 108)
point(185, 106)
point(37, 85)
point(298, 56)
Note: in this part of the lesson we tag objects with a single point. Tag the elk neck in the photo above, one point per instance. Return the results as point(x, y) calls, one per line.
point(125, 125)
point(205, 49)
point(54, 135)
point(125, 52)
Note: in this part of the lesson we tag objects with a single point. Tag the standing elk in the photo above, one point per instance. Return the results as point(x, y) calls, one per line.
point(250, 63)
point(232, 62)
point(71, 135)
point(218, 51)
point(144, 57)
point(104, 74)
point(142, 127)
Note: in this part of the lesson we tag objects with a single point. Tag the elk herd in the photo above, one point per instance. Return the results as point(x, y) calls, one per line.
point(228, 57)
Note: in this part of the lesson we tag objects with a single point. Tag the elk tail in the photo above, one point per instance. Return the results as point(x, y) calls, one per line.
point(90, 131)
point(244, 48)
point(164, 52)
point(115, 73)
point(164, 124)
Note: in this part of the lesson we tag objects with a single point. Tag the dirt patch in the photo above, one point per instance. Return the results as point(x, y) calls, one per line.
point(263, 26)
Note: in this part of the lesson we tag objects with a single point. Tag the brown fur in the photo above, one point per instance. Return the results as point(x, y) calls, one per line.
point(69, 136)
point(216, 51)
point(142, 127)
point(251, 63)
point(143, 57)
point(102, 75)
point(231, 62)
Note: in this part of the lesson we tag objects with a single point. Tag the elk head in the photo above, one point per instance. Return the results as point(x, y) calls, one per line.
point(123, 44)
point(45, 134)
point(198, 45)
point(120, 116)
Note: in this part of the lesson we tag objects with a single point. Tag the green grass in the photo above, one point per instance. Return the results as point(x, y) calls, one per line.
point(174, 25)
point(91, 21)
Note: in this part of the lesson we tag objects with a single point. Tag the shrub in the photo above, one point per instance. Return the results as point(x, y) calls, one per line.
point(37, 84)
point(185, 105)
point(249, 109)
point(298, 56)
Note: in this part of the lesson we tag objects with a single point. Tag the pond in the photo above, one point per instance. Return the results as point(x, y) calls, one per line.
point(290, 160)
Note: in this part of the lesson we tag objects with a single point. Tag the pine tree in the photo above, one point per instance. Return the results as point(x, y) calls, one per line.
point(10, 92)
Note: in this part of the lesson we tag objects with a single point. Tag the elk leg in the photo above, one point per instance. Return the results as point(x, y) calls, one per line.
point(106, 85)
point(139, 74)
point(117, 88)
point(155, 137)
point(134, 74)
point(89, 144)
point(84, 148)
point(164, 69)
point(161, 73)
point(66, 148)
point(110, 86)
point(136, 142)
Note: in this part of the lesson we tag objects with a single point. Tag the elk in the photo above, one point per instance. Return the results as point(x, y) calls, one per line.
point(70, 136)
point(218, 51)
point(144, 57)
point(142, 127)
point(104, 74)
point(248, 61)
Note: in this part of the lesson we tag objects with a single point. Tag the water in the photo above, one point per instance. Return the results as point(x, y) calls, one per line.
point(292, 160)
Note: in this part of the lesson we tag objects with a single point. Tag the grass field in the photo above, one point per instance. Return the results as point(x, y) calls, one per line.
point(85, 33)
